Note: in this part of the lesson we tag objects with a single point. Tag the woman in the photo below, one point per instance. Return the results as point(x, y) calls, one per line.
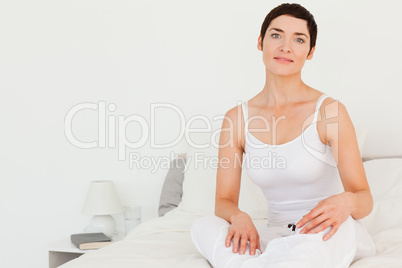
point(316, 193)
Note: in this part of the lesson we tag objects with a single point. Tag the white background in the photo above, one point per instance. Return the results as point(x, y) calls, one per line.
point(200, 56)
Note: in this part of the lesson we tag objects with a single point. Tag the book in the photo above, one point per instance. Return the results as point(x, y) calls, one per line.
point(90, 240)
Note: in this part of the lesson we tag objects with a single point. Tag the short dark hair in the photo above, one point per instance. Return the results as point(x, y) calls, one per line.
point(296, 11)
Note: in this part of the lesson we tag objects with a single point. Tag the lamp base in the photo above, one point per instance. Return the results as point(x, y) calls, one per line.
point(103, 223)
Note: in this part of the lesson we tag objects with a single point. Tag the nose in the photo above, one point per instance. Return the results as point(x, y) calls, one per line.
point(285, 47)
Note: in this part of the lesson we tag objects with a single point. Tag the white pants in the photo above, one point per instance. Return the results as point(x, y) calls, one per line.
point(281, 248)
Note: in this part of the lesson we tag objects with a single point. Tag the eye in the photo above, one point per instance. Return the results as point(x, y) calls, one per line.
point(299, 40)
point(275, 35)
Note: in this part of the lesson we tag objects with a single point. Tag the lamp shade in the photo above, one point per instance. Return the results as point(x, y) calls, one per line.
point(102, 199)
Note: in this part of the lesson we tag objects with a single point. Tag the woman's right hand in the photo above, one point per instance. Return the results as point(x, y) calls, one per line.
point(242, 230)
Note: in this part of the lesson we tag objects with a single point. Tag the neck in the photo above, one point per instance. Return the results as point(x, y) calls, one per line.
point(281, 90)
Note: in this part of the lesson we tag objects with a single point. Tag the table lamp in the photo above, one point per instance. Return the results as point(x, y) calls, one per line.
point(102, 200)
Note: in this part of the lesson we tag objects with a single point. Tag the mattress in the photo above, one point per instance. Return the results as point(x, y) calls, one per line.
point(166, 241)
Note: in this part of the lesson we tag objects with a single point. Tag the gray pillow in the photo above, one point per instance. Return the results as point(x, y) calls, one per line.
point(172, 190)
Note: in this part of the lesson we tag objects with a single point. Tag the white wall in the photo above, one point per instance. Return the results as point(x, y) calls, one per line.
point(200, 56)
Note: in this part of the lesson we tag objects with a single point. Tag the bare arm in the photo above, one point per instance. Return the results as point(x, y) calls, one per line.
point(356, 200)
point(228, 182)
point(229, 171)
point(350, 166)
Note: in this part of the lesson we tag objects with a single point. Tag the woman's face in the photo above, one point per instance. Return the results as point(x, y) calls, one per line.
point(286, 45)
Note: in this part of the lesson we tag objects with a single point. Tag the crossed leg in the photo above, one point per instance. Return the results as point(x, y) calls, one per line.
point(279, 250)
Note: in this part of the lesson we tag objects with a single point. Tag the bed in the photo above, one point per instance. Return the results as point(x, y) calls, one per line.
point(166, 241)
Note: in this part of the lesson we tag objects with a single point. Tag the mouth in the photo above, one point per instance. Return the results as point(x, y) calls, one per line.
point(283, 59)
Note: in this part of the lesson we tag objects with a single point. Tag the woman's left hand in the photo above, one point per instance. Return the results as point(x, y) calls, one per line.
point(332, 211)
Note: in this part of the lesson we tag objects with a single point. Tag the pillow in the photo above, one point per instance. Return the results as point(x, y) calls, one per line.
point(385, 180)
point(172, 187)
point(361, 134)
point(199, 186)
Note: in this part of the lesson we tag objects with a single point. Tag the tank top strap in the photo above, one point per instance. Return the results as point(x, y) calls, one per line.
point(244, 107)
point(318, 105)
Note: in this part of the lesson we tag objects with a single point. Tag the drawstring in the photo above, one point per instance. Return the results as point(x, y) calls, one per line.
point(292, 227)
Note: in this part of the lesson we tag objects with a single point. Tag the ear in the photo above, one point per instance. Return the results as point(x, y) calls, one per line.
point(259, 46)
point(310, 56)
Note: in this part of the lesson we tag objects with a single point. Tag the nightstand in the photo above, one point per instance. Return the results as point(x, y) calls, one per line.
point(64, 250)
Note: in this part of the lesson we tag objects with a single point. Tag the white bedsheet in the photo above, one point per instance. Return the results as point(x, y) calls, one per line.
point(166, 242)
point(160, 242)
point(389, 250)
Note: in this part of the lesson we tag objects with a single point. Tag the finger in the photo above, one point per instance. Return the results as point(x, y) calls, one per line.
point(313, 223)
point(236, 238)
point(322, 226)
point(331, 232)
point(258, 243)
point(306, 218)
point(301, 222)
point(253, 244)
point(309, 216)
point(228, 239)
point(243, 244)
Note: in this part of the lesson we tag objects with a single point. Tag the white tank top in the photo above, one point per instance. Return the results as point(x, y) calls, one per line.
point(293, 176)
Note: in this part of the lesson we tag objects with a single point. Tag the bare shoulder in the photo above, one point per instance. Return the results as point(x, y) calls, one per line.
point(234, 118)
point(233, 126)
point(332, 110)
point(333, 119)
point(234, 112)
